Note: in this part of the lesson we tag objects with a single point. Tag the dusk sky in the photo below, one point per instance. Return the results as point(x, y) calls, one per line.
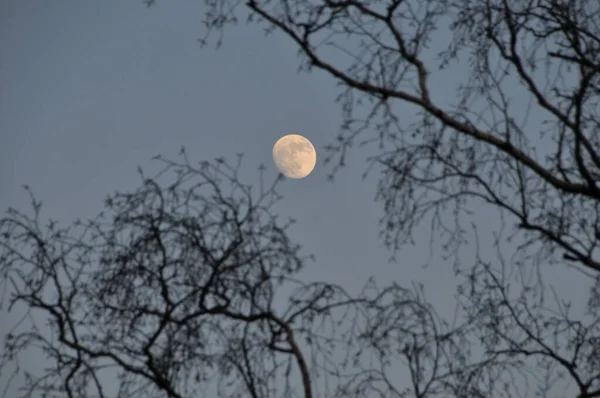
point(90, 90)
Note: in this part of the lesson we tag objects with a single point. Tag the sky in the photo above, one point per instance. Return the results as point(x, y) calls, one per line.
point(91, 90)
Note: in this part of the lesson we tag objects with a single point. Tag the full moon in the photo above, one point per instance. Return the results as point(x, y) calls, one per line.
point(294, 156)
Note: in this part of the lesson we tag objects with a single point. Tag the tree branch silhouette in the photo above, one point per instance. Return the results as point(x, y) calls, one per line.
point(546, 175)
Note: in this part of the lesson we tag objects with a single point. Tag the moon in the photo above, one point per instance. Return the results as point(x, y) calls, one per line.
point(294, 156)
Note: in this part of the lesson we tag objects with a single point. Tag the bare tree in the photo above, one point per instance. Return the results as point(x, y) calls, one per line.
point(172, 291)
point(168, 285)
point(178, 290)
point(517, 57)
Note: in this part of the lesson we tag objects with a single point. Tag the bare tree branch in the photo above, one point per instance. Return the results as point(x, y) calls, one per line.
point(379, 51)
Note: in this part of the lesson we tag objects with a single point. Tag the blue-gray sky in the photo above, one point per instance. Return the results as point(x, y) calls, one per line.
point(91, 90)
